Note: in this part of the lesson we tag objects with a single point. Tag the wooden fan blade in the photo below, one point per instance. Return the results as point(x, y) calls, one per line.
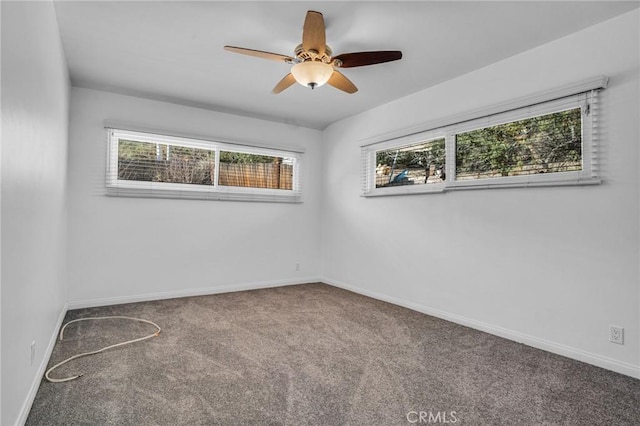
point(339, 81)
point(260, 54)
point(360, 59)
point(313, 33)
point(287, 81)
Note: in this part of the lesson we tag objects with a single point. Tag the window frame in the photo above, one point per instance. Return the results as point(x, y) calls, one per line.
point(546, 108)
point(405, 142)
point(586, 101)
point(133, 188)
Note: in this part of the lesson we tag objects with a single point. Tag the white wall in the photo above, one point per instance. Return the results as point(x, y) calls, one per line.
point(549, 266)
point(128, 248)
point(569, 255)
point(35, 105)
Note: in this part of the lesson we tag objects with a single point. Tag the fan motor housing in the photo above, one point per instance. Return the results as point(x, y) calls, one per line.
point(311, 55)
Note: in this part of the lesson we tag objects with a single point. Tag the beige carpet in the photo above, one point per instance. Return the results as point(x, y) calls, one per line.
point(316, 355)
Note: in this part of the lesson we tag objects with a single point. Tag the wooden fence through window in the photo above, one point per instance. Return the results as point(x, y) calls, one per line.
point(257, 175)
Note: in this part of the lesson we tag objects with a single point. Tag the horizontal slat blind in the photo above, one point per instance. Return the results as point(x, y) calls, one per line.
point(553, 142)
point(596, 149)
point(172, 133)
point(595, 83)
point(366, 169)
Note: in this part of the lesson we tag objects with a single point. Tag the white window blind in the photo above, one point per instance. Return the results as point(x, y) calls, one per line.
point(549, 142)
point(143, 164)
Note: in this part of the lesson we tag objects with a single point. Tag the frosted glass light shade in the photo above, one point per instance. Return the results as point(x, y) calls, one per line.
point(312, 73)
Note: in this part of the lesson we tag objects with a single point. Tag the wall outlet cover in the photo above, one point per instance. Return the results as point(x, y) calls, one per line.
point(616, 334)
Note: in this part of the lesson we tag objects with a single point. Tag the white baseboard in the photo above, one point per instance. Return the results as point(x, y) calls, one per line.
point(35, 385)
point(546, 345)
point(146, 297)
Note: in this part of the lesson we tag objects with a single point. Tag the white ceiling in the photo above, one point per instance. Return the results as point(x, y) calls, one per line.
point(173, 51)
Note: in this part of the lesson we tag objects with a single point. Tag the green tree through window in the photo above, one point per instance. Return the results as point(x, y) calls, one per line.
point(544, 144)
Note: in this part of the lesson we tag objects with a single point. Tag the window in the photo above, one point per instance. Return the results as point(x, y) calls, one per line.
point(420, 164)
point(146, 164)
point(155, 162)
point(546, 143)
point(550, 143)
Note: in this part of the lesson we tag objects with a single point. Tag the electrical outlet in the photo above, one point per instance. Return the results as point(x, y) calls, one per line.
point(616, 334)
point(297, 267)
point(33, 351)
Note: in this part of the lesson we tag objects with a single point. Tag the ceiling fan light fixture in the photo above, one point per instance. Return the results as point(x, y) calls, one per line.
point(314, 63)
point(312, 73)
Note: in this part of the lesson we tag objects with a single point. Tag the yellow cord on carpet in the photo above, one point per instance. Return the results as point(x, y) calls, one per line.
point(99, 350)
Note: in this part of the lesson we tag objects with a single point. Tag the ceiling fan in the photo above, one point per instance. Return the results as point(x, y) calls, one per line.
point(312, 62)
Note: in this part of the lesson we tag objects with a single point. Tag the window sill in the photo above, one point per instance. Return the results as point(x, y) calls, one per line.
point(458, 186)
point(523, 184)
point(235, 194)
point(434, 188)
